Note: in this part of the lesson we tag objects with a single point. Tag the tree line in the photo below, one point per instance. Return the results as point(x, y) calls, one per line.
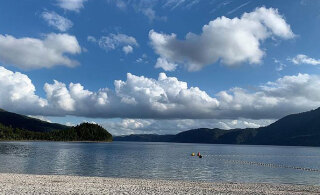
point(82, 132)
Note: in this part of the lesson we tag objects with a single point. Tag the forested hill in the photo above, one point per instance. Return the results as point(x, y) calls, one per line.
point(82, 132)
point(19, 127)
point(301, 129)
point(24, 122)
point(295, 129)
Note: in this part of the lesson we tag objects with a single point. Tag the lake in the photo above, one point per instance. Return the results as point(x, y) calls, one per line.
point(220, 163)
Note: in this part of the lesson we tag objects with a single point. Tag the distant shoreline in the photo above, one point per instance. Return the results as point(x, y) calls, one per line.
point(55, 141)
point(59, 184)
point(156, 142)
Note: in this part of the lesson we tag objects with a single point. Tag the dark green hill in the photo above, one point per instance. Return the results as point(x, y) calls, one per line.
point(296, 129)
point(82, 132)
point(215, 136)
point(202, 135)
point(23, 122)
point(19, 127)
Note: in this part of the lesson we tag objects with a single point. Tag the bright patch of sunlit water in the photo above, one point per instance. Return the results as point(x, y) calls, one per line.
point(220, 163)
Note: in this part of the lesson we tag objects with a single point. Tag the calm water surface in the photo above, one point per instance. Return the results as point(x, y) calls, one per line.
point(220, 163)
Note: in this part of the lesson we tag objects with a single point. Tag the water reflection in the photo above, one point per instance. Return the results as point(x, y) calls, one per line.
point(162, 161)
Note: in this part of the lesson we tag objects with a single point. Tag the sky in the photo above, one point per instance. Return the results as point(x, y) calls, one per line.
point(156, 66)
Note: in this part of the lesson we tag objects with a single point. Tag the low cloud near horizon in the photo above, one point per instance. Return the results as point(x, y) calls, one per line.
point(162, 98)
point(153, 126)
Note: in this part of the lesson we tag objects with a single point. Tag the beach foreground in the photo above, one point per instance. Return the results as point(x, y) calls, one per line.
point(58, 184)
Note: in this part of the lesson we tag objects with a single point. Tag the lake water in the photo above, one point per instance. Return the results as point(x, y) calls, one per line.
point(220, 163)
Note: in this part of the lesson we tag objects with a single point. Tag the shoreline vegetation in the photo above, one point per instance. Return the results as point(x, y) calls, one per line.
point(62, 184)
point(85, 132)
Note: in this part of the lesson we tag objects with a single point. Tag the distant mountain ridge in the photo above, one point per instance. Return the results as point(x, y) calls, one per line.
point(301, 129)
point(24, 122)
point(145, 138)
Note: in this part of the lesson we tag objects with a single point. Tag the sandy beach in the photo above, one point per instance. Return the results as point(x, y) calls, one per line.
point(57, 184)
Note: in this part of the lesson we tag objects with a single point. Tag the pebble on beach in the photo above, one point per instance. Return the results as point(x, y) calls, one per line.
point(59, 184)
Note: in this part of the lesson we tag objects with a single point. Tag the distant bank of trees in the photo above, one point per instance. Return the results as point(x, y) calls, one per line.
point(82, 132)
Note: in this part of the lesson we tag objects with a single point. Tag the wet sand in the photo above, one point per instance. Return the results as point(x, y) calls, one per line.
point(59, 184)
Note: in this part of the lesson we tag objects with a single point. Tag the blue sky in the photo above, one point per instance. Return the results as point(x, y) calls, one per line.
point(222, 63)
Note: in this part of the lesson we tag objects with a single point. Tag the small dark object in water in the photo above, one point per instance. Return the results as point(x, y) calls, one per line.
point(200, 156)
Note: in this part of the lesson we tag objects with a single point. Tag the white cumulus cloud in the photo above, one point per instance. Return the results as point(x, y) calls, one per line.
point(127, 49)
point(32, 53)
point(303, 59)
point(18, 93)
point(161, 98)
point(59, 96)
point(232, 41)
point(71, 5)
point(289, 94)
point(75, 100)
point(165, 65)
point(55, 20)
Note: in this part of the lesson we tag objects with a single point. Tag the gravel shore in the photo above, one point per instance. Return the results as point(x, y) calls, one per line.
point(58, 184)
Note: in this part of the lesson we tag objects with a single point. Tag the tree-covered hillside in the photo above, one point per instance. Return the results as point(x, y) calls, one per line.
point(82, 132)
point(24, 122)
point(301, 129)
